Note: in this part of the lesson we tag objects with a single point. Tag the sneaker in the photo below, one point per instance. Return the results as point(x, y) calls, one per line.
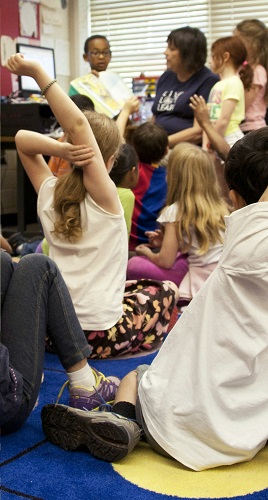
point(103, 393)
point(107, 436)
point(16, 240)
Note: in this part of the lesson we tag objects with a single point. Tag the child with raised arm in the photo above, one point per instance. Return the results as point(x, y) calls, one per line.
point(226, 100)
point(204, 399)
point(83, 221)
point(191, 223)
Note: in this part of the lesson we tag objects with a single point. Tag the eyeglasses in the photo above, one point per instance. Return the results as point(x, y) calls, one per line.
point(97, 53)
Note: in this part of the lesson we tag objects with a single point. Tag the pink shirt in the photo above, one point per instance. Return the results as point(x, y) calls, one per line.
point(255, 114)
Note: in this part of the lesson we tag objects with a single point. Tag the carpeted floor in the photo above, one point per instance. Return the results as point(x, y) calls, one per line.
point(33, 468)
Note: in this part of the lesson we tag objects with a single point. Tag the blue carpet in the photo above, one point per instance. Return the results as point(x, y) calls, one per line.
point(33, 468)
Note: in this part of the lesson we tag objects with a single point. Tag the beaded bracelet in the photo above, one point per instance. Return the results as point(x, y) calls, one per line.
point(47, 87)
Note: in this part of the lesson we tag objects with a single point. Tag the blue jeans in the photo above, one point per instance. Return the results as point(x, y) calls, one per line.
point(35, 302)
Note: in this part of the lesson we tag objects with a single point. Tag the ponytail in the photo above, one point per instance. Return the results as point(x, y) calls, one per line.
point(246, 75)
point(69, 193)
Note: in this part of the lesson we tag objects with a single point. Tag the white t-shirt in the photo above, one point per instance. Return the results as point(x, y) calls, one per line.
point(205, 396)
point(213, 254)
point(94, 268)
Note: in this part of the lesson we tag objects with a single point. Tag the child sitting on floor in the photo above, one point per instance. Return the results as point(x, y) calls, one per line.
point(151, 143)
point(204, 399)
point(83, 222)
point(192, 222)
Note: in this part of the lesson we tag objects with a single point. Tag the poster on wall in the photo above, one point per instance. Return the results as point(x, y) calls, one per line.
point(29, 19)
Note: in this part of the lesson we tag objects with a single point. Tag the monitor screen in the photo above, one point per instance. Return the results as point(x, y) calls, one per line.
point(45, 56)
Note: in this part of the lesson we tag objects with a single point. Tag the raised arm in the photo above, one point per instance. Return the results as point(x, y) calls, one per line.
point(74, 123)
point(131, 106)
point(199, 105)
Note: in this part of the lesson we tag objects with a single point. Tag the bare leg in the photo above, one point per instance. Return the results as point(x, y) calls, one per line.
point(128, 389)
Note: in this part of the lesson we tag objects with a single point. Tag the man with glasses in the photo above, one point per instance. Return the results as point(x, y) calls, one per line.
point(106, 89)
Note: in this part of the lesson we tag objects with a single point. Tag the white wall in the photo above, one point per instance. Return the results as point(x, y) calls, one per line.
point(65, 30)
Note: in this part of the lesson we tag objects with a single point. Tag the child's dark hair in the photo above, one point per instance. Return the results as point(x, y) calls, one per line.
point(125, 161)
point(82, 102)
point(238, 56)
point(93, 37)
point(246, 167)
point(150, 141)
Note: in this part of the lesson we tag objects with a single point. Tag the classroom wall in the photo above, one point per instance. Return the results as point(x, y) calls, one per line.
point(53, 31)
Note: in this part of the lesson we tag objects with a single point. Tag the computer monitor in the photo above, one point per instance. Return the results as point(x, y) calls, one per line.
point(45, 56)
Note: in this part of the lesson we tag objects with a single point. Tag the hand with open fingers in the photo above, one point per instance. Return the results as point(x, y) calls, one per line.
point(79, 155)
point(20, 66)
point(199, 105)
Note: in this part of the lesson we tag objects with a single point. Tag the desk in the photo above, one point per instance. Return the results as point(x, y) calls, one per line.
point(29, 116)
point(26, 195)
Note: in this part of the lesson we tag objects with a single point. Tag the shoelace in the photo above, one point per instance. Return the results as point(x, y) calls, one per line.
point(99, 377)
point(103, 402)
point(61, 391)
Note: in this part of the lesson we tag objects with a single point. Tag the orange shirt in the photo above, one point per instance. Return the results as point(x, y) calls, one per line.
point(58, 166)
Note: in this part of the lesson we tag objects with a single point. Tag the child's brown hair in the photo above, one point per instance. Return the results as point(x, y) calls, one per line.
point(150, 141)
point(70, 190)
point(238, 56)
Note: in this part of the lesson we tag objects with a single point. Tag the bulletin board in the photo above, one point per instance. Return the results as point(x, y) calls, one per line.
point(10, 27)
point(29, 24)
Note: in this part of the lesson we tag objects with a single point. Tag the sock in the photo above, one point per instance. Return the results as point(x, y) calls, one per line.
point(125, 409)
point(82, 378)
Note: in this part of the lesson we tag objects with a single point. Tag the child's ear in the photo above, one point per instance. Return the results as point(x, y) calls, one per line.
point(134, 176)
point(236, 199)
point(110, 163)
point(226, 56)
